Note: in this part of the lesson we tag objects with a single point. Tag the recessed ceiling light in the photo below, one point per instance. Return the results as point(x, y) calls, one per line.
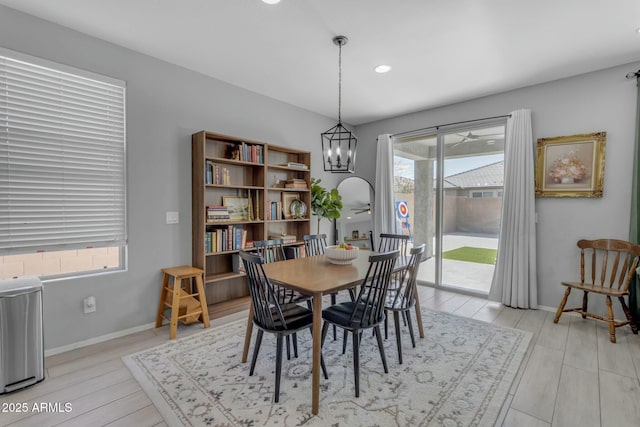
point(271, 1)
point(382, 69)
point(638, 30)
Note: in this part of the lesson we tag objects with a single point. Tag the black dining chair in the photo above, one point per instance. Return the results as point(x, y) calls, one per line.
point(403, 300)
point(273, 251)
point(393, 242)
point(314, 244)
point(366, 311)
point(272, 316)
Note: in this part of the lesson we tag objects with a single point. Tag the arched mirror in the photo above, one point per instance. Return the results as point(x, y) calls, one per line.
point(356, 221)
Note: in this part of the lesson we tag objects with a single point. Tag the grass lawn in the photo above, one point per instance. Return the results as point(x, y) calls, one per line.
point(470, 254)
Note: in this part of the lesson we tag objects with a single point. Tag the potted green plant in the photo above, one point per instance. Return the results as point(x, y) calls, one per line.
point(324, 203)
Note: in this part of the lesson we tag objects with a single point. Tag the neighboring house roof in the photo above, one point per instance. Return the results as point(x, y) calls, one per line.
point(491, 175)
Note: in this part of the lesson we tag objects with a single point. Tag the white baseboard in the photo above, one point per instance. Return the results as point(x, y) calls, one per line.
point(546, 308)
point(96, 340)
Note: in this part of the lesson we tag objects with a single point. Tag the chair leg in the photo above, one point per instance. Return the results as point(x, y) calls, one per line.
point(381, 348)
point(325, 328)
point(288, 348)
point(585, 302)
point(386, 324)
point(278, 366)
point(410, 325)
point(632, 322)
point(323, 335)
point(256, 349)
point(396, 322)
point(562, 304)
point(610, 321)
point(344, 342)
point(335, 329)
point(294, 338)
point(356, 361)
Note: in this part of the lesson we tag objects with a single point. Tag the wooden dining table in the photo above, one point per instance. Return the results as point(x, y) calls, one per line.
point(317, 276)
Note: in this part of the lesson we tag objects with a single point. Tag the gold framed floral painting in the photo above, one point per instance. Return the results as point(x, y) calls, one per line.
point(571, 166)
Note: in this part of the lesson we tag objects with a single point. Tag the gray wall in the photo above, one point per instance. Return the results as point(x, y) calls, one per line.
point(598, 101)
point(165, 105)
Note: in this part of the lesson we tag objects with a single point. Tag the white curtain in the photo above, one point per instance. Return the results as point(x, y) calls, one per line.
point(514, 279)
point(384, 205)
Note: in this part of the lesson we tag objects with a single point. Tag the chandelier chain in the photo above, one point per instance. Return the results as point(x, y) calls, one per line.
point(340, 83)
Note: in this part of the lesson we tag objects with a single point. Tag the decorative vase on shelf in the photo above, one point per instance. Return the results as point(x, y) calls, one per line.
point(567, 180)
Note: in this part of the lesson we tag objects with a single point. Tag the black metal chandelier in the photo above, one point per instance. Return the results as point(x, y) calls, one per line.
point(339, 143)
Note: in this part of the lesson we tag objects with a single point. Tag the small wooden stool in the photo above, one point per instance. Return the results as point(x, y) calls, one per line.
point(182, 301)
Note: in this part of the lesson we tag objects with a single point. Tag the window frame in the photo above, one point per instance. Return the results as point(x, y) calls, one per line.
point(121, 176)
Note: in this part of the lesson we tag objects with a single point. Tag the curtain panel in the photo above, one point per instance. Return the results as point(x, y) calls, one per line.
point(384, 202)
point(514, 279)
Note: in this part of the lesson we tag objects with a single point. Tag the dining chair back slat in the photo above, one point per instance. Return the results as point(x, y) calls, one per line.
point(271, 250)
point(393, 242)
point(314, 244)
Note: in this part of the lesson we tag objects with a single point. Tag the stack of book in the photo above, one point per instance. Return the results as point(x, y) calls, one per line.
point(296, 183)
point(287, 238)
point(217, 213)
point(295, 165)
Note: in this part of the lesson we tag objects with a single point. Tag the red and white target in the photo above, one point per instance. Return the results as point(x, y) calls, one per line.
point(403, 209)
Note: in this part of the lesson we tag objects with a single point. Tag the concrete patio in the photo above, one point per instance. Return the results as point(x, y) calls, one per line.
point(461, 274)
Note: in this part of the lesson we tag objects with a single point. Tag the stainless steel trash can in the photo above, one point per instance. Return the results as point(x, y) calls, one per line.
point(21, 340)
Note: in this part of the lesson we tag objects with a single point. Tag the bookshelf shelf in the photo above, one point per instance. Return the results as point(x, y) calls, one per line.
point(220, 171)
point(239, 187)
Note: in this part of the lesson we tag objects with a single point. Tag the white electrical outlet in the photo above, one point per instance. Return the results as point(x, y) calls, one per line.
point(89, 304)
point(172, 218)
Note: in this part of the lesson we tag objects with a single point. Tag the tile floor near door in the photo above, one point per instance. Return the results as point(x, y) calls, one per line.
point(571, 376)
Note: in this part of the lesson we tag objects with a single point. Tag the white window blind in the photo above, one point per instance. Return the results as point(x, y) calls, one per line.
point(62, 157)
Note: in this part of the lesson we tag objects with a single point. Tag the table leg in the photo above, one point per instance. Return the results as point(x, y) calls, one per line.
point(418, 314)
point(247, 334)
point(317, 342)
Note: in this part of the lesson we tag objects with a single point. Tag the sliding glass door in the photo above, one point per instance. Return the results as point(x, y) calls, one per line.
point(451, 185)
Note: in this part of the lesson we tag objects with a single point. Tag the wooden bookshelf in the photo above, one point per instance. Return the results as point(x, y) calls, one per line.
point(229, 167)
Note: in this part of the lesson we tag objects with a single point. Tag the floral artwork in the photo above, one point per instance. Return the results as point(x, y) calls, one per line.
point(567, 169)
point(571, 166)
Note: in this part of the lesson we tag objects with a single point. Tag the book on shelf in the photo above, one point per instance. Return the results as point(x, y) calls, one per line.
point(217, 213)
point(236, 264)
point(287, 238)
point(229, 238)
point(245, 152)
point(208, 172)
point(296, 183)
point(275, 211)
point(295, 165)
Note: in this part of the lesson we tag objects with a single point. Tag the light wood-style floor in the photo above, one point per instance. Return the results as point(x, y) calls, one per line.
point(571, 376)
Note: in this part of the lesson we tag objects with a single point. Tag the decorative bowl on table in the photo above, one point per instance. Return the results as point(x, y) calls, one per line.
point(341, 255)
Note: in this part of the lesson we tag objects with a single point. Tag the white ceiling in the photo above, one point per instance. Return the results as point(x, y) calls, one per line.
point(441, 51)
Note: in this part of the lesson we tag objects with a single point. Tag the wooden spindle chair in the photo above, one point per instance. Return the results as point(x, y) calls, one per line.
point(607, 267)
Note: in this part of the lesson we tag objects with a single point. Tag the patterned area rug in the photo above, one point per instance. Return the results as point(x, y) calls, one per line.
point(458, 375)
